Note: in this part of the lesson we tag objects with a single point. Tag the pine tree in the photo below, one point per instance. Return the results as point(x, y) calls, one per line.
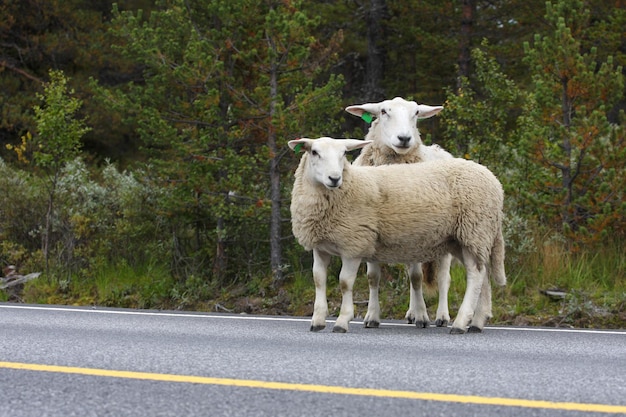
point(577, 181)
point(226, 84)
point(479, 118)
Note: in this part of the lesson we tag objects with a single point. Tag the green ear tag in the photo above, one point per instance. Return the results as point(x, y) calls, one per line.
point(297, 148)
point(367, 117)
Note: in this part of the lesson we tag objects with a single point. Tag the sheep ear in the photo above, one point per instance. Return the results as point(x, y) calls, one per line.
point(360, 109)
point(424, 111)
point(297, 144)
point(352, 144)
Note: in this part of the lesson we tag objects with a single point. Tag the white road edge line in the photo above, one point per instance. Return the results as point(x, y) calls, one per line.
point(293, 319)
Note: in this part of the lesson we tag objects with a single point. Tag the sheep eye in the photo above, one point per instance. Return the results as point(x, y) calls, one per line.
point(383, 112)
point(314, 153)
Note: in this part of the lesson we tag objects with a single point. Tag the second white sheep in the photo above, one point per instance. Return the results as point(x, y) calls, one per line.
point(396, 140)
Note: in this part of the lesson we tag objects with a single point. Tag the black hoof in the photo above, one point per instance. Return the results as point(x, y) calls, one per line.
point(410, 320)
point(317, 328)
point(372, 324)
point(441, 323)
point(474, 329)
point(456, 330)
point(422, 324)
point(338, 329)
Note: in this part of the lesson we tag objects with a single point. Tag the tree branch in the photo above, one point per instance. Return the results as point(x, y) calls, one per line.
point(21, 72)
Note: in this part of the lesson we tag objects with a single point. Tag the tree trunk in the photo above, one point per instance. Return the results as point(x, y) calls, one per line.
point(220, 262)
point(467, 22)
point(375, 66)
point(566, 168)
point(45, 242)
point(275, 217)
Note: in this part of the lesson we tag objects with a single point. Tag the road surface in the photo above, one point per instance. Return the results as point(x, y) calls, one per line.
point(71, 361)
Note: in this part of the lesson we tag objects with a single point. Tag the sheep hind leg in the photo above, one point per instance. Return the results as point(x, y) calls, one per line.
point(483, 309)
point(417, 312)
point(475, 277)
point(349, 269)
point(443, 282)
point(497, 260)
point(321, 260)
point(372, 317)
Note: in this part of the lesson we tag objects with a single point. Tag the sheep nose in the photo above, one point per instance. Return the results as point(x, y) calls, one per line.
point(404, 140)
point(334, 181)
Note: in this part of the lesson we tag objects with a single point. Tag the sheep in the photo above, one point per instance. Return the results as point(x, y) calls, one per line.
point(396, 139)
point(394, 132)
point(434, 151)
point(394, 213)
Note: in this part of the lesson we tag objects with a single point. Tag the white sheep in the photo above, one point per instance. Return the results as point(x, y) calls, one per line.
point(394, 213)
point(395, 140)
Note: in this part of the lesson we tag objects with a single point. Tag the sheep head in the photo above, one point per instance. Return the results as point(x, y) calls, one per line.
point(396, 121)
point(326, 158)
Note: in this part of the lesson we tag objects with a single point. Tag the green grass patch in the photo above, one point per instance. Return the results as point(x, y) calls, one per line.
point(141, 286)
point(594, 284)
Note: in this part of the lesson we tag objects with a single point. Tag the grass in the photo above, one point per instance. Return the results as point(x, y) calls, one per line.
point(594, 283)
point(114, 285)
point(143, 286)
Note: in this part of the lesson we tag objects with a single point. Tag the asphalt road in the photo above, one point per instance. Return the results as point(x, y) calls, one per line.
point(64, 361)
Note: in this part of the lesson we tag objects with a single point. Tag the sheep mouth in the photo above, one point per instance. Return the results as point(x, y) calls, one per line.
point(402, 149)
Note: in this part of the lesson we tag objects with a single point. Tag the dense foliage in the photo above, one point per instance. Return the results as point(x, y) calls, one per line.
point(151, 135)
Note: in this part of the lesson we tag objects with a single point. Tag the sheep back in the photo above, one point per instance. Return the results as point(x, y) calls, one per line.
point(400, 213)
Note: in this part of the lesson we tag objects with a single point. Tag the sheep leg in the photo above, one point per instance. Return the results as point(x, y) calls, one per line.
point(372, 318)
point(475, 277)
point(349, 269)
point(443, 281)
point(417, 312)
point(497, 260)
point(483, 309)
point(321, 260)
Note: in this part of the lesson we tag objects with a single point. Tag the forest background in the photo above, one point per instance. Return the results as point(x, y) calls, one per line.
point(143, 157)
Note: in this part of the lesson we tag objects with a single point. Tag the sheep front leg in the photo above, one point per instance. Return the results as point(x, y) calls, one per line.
point(321, 260)
point(475, 276)
point(349, 269)
point(372, 318)
point(417, 312)
point(443, 283)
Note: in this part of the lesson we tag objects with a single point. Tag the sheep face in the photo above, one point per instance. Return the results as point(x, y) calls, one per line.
point(326, 158)
point(396, 121)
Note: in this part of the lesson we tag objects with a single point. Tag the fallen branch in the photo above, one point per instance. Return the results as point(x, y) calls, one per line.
point(14, 280)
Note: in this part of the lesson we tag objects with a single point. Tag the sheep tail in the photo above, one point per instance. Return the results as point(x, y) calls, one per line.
point(497, 260)
point(429, 272)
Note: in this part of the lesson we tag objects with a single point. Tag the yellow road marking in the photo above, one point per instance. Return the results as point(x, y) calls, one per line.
point(325, 389)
